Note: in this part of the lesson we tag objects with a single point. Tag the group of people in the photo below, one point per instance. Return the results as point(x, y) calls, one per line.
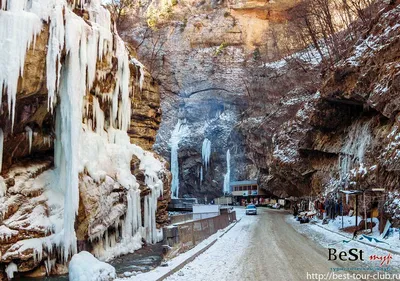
point(324, 207)
point(330, 206)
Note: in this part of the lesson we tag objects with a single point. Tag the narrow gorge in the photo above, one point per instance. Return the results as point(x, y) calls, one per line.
point(111, 109)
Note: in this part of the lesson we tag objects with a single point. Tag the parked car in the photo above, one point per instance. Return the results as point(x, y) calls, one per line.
point(251, 210)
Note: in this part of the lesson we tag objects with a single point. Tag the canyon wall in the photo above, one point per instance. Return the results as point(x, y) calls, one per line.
point(203, 53)
point(291, 123)
point(344, 134)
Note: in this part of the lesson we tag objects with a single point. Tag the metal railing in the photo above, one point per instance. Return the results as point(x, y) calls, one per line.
point(192, 233)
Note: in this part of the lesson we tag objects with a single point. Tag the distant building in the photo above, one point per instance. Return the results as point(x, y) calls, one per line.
point(248, 191)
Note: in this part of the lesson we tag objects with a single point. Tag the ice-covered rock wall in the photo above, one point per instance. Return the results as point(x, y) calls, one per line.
point(70, 87)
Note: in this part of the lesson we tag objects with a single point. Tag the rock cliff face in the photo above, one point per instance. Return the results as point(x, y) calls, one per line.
point(284, 87)
point(201, 52)
point(146, 114)
point(298, 129)
point(32, 205)
point(345, 134)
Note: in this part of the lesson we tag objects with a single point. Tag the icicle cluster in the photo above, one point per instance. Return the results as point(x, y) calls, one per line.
point(353, 150)
point(18, 29)
point(99, 146)
point(141, 70)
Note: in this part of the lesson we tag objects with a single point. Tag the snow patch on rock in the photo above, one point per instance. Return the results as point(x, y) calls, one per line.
point(85, 267)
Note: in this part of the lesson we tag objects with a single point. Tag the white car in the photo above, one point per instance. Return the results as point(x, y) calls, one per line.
point(251, 210)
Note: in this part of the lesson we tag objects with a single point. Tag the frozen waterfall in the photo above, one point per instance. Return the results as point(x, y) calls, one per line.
point(353, 150)
point(206, 152)
point(227, 176)
point(96, 143)
point(178, 133)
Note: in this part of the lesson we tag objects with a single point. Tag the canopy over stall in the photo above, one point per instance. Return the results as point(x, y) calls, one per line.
point(356, 193)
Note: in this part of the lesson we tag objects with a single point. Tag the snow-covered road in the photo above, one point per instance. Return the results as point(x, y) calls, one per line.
point(262, 247)
point(272, 246)
point(222, 260)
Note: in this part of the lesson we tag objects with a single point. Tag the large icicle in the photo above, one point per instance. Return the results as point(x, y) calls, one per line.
point(206, 152)
point(132, 220)
point(122, 108)
point(179, 131)
point(141, 70)
point(227, 176)
point(72, 90)
point(156, 191)
point(29, 133)
point(55, 46)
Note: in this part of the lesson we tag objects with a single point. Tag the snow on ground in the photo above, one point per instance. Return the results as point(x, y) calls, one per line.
point(391, 243)
point(85, 267)
point(308, 55)
point(240, 212)
point(224, 253)
point(376, 42)
point(328, 239)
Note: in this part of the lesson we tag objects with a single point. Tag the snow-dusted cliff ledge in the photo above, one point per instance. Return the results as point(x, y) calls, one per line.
point(76, 96)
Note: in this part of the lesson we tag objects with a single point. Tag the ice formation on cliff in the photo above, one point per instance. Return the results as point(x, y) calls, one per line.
point(353, 150)
point(227, 188)
point(85, 140)
point(29, 133)
point(180, 131)
point(18, 29)
point(206, 152)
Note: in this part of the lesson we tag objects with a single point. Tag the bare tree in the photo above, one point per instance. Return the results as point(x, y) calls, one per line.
point(119, 8)
point(328, 25)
